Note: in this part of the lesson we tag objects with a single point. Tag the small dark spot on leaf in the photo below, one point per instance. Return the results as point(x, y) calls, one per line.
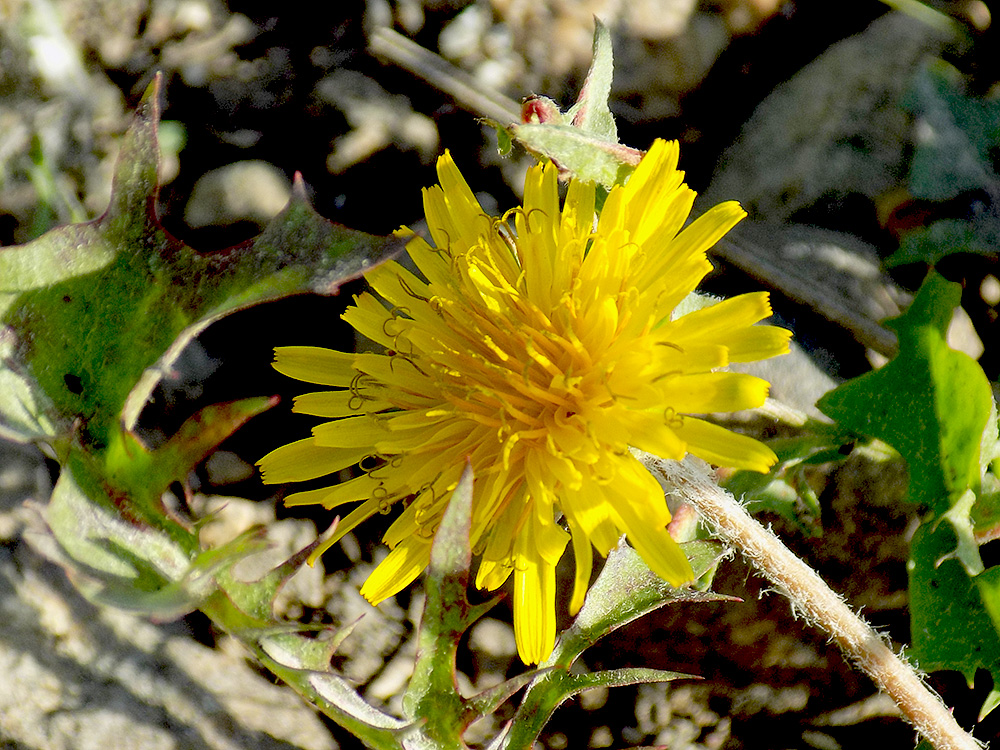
point(935, 584)
point(67, 298)
point(74, 383)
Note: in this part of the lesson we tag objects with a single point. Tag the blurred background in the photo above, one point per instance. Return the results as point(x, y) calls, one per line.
point(861, 137)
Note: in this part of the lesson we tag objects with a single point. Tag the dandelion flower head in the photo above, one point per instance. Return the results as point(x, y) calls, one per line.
point(539, 346)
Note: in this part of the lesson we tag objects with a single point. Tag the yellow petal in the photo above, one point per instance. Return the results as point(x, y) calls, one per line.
point(493, 574)
point(398, 570)
point(640, 511)
point(350, 432)
point(578, 215)
point(315, 364)
point(707, 392)
point(338, 403)
point(583, 556)
point(742, 310)
point(534, 604)
point(719, 446)
point(550, 539)
point(701, 234)
point(652, 432)
point(304, 460)
point(369, 317)
point(759, 342)
point(357, 516)
point(359, 488)
point(656, 547)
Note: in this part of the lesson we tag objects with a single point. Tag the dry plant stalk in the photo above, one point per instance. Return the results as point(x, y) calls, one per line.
point(811, 597)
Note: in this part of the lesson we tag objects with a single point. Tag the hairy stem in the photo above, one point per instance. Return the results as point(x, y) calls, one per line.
point(813, 598)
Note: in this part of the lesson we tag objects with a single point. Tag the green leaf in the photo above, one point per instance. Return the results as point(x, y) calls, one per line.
point(432, 696)
point(990, 704)
point(934, 405)
point(785, 490)
point(583, 156)
point(583, 143)
point(622, 677)
point(591, 113)
point(137, 477)
point(986, 516)
point(504, 143)
point(931, 403)
point(625, 590)
point(91, 314)
point(979, 235)
point(949, 622)
point(256, 598)
point(989, 590)
point(116, 561)
point(489, 700)
point(955, 135)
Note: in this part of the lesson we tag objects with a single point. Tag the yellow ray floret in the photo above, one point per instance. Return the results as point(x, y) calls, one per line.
point(539, 347)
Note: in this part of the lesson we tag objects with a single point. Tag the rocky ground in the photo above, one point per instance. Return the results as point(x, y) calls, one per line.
point(796, 111)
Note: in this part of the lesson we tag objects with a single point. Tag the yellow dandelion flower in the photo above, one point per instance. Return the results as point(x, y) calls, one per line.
point(540, 348)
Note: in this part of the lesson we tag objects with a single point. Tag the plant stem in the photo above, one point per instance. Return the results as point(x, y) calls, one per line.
point(463, 88)
point(810, 596)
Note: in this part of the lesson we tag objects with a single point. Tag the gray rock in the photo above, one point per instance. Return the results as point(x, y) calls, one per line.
point(377, 118)
point(837, 126)
point(78, 677)
point(250, 190)
point(834, 273)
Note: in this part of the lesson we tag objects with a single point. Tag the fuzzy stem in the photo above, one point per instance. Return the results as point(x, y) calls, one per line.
point(811, 596)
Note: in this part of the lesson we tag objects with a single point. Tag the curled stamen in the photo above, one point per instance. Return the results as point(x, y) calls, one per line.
point(446, 249)
point(530, 213)
point(380, 467)
point(672, 419)
point(671, 345)
point(385, 330)
point(357, 399)
point(425, 506)
point(409, 292)
point(411, 352)
point(504, 233)
point(382, 496)
point(427, 532)
point(515, 211)
point(406, 358)
point(422, 513)
point(428, 488)
point(398, 310)
point(665, 375)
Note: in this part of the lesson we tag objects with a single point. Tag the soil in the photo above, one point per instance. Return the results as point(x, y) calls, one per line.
point(296, 88)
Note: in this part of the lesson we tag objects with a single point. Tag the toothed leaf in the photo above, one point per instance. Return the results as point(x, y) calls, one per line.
point(87, 310)
point(934, 406)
